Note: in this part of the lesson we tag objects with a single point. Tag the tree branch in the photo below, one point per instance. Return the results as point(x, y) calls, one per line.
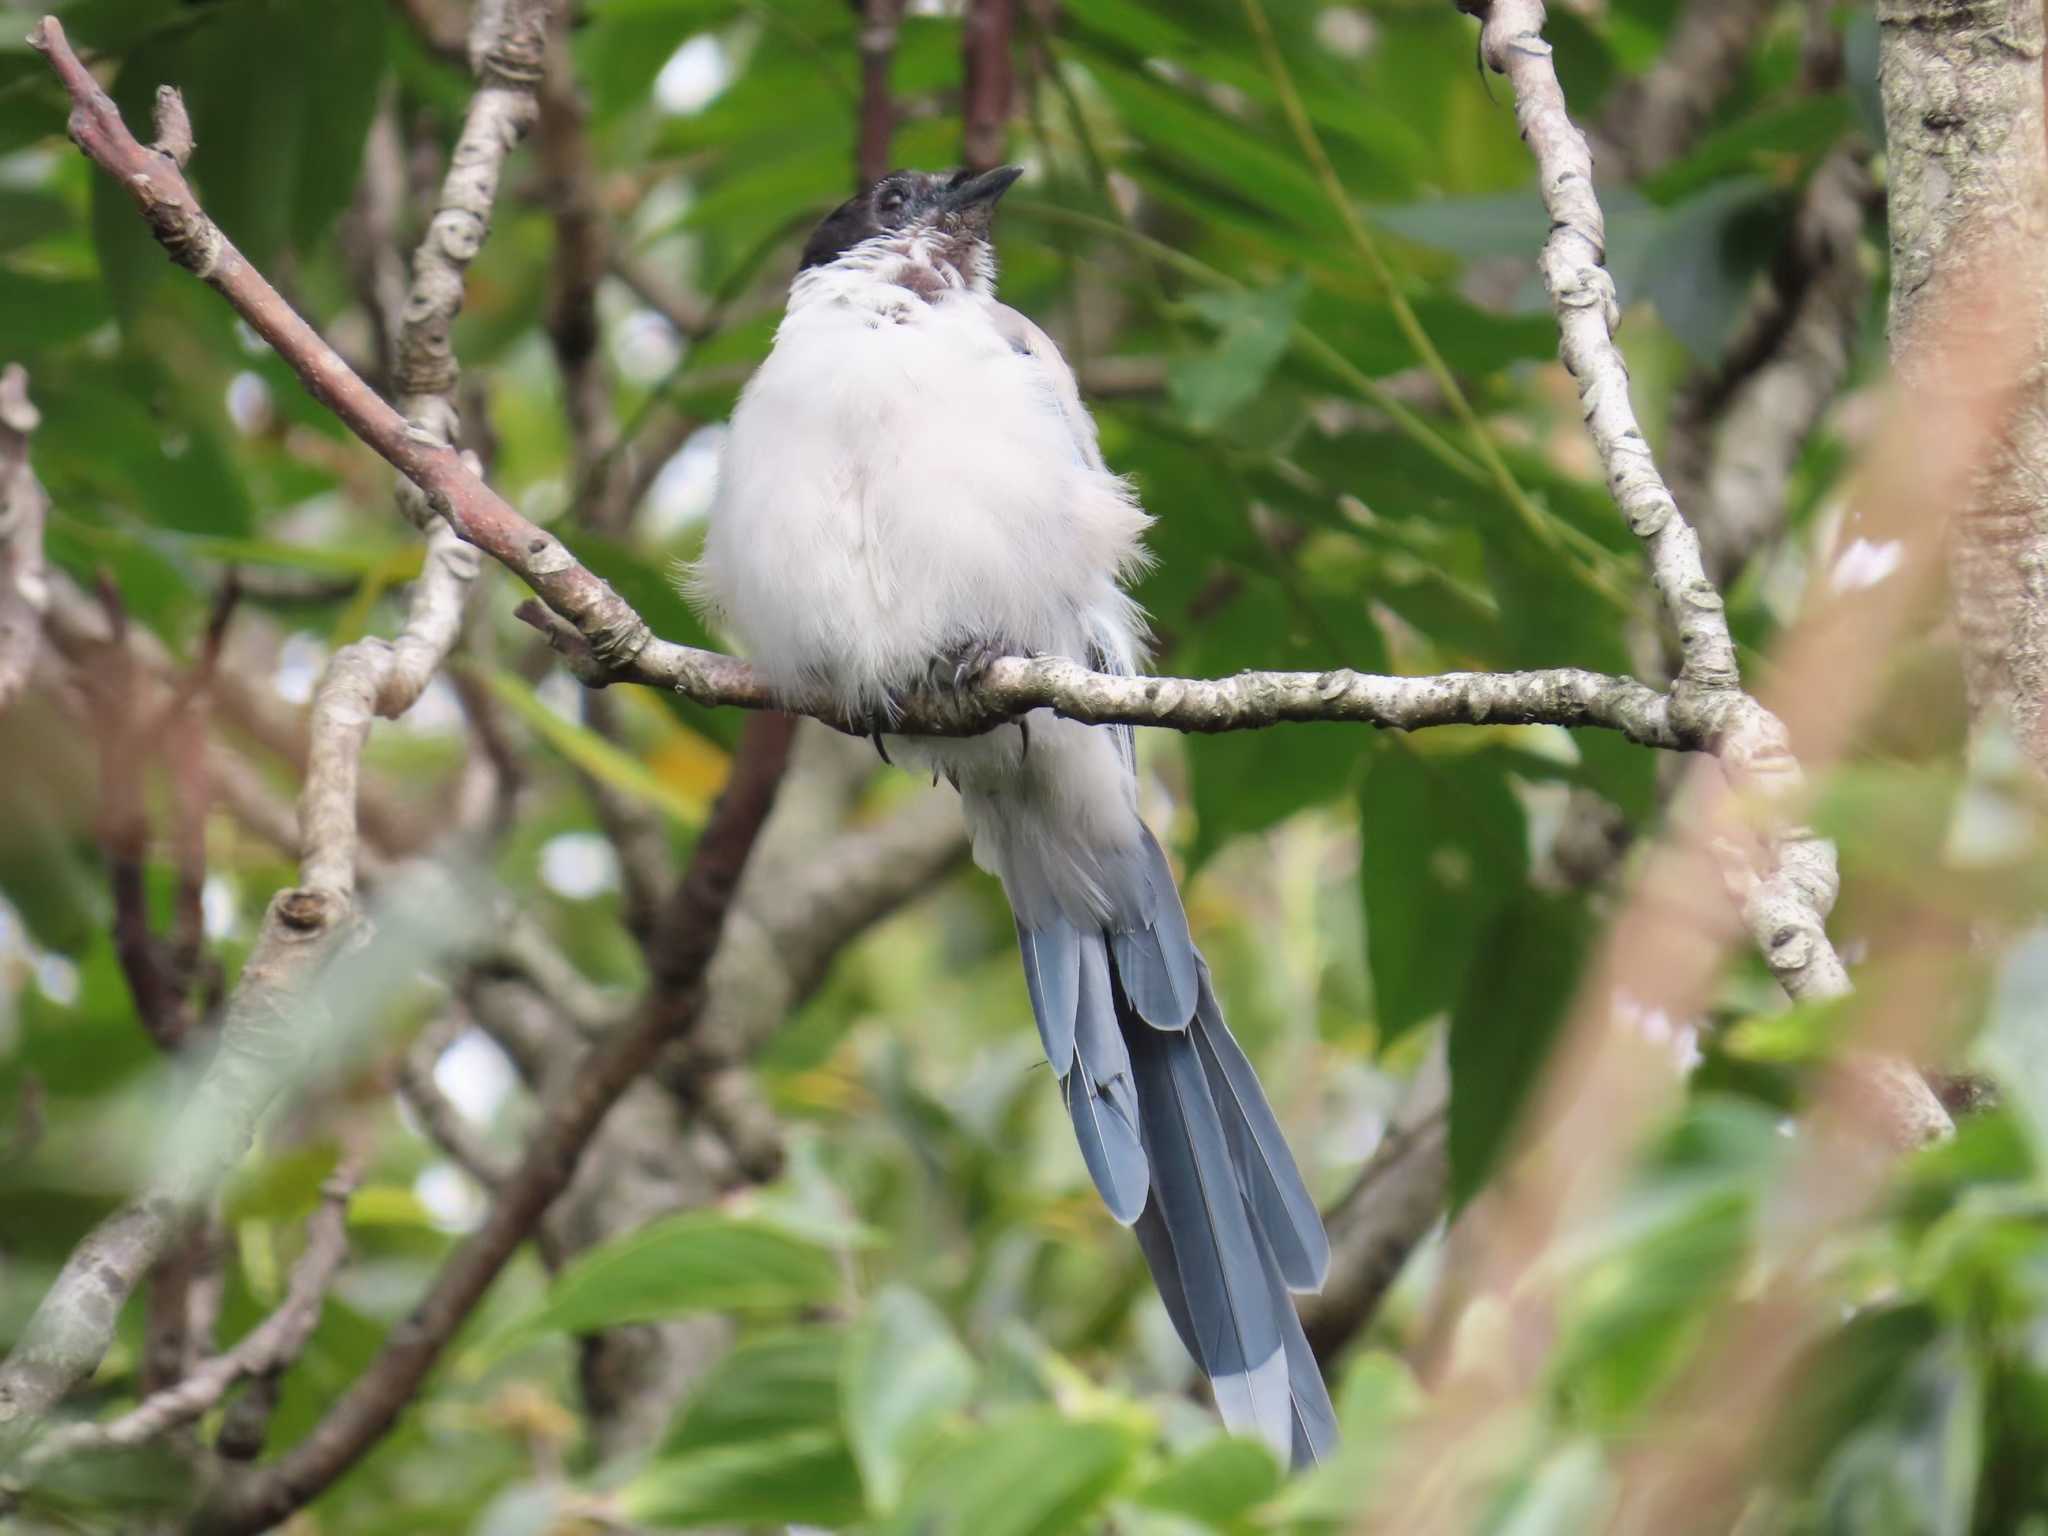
point(1657, 117)
point(609, 642)
point(23, 506)
point(877, 124)
point(989, 74)
point(1785, 908)
point(691, 929)
point(268, 1347)
point(260, 1037)
point(446, 1126)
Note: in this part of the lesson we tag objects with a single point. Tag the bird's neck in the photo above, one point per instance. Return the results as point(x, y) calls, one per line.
point(889, 271)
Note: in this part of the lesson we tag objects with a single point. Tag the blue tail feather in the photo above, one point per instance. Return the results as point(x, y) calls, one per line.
point(1181, 1143)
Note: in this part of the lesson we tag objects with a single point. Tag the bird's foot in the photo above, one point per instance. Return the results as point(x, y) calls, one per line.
point(883, 720)
point(967, 664)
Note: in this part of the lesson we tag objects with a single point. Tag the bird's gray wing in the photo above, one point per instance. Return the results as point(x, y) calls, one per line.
point(1054, 376)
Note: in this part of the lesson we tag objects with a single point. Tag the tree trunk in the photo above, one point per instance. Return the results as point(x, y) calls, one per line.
point(1968, 158)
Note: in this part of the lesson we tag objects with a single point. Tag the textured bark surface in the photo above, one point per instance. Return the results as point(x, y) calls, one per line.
point(1968, 157)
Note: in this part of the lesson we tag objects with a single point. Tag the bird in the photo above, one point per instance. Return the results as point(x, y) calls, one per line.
point(911, 488)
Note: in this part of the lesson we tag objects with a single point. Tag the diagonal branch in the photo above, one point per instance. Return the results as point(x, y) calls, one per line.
point(1785, 907)
point(270, 1346)
point(262, 1039)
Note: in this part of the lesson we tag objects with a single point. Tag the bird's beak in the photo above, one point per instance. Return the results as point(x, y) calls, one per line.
point(985, 189)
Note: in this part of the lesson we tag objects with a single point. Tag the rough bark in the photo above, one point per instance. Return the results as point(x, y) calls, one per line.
point(1968, 158)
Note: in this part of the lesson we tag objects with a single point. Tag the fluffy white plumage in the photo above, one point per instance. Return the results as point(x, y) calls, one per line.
point(911, 471)
point(911, 476)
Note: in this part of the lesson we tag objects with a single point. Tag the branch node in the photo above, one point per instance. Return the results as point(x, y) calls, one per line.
point(173, 127)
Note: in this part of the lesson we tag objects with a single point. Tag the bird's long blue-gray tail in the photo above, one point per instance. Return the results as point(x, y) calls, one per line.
point(1180, 1140)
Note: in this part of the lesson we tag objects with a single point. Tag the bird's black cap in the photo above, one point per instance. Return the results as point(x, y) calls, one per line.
point(961, 202)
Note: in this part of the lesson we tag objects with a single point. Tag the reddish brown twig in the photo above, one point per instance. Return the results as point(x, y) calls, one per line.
point(989, 74)
point(879, 21)
point(195, 242)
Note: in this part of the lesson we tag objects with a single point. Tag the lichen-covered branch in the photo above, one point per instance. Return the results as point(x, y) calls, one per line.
point(1786, 907)
point(268, 1347)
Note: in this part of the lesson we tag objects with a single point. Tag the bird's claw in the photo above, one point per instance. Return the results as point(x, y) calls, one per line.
point(967, 664)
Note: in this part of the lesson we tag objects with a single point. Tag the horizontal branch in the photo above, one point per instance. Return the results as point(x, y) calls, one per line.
point(1014, 685)
point(612, 643)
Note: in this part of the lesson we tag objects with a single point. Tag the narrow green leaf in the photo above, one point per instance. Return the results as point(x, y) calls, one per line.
point(770, 1384)
point(699, 1261)
point(591, 752)
point(1252, 332)
point(801, 1478)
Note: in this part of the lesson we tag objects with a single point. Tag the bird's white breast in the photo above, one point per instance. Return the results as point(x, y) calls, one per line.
point(899, 480)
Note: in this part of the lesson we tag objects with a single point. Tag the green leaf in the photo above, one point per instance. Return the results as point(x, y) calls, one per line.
point(1695, 260)
point(26, 216)
point(1218, 1483)
point(905, 1374)
point(1445, 847)
point(1914, 1471)
point(1253, 328)
point(344, 46)
point(1031, 1474)
point(759, 1442)
point(278, 145)
point(770, 1384)
point(1517, 993)
point(1197, 142)
point(601, 759)
point(37, 312)
point(800, 1478)
point(699, 1261)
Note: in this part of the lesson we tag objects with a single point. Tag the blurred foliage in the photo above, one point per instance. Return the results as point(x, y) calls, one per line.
point(939, 1330)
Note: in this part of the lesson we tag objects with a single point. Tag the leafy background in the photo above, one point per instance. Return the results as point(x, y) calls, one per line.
point(936, 1328)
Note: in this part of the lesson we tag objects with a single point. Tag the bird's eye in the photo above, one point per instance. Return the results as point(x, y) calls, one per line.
point(890, 201)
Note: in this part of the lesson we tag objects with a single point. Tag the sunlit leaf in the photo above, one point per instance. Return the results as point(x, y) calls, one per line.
point(698, 1261)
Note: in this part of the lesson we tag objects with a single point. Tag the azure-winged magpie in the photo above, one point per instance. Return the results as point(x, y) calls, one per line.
point(911, 488)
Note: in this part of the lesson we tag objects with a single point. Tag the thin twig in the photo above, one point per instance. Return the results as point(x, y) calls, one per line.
point(877, 43)
point(446, 1125)
point(988, 74)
